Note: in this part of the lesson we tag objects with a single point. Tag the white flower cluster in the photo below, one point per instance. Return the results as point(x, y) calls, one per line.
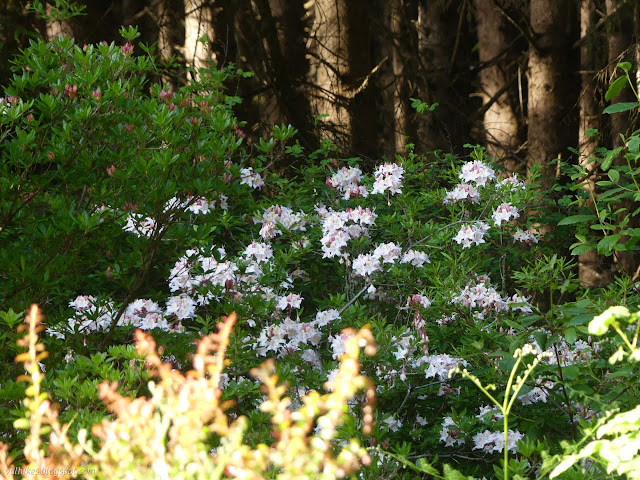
point(513, 182)
point(484, 296)
point(338, 227)
point(440, 365)
point(415, 258)
point(249, 177)
point(524, 237)
point(450, 433)
point(278, 216)
point(462, 192)
point(366, 264)
point(140, 225)
point(347, 180)
point(92, 315)
point(388, 176)
point(494, 441)
point(197, 205)
point(287, 336)
point(393, 424)
point(487, 412)
point(469, 234)
point(197, 274)
point(579, 352)
point(476, 172)
point(504, 213)
point(539, 393)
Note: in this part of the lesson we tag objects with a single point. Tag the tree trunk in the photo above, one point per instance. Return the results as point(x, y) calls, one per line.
point(398, 83)
point(550, 86)
point(198, 34)
point(500, 121)
point(619, 41)
point(328, 48)
point(433, 54)
point(593, 270)
point(280, 24)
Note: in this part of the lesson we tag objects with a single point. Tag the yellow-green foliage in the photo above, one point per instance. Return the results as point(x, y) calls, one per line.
point(164, 436)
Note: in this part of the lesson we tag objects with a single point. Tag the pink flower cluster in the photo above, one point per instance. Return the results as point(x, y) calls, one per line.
point(504, 213)
point(347, 180)
point(388, 177)
point(476, 172)
point(469, 234)
point(462, 192)
point(338, 227)
point(249, 177)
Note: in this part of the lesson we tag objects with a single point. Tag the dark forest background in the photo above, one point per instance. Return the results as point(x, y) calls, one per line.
point(524, 78)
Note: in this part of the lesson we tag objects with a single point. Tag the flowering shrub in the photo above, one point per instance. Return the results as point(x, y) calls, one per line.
point(138, 205)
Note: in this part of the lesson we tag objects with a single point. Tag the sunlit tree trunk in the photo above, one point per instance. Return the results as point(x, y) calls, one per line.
point(500, 121)
point(198, 33)
point(328, 48)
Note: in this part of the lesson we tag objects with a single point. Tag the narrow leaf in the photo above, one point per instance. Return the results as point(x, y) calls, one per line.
point(615, 88)
point(620, 107)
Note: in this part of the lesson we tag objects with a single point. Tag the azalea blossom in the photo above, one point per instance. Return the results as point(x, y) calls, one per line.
point(477, 172)
point(388, 177)
point(249, 177)
point(504, 213)
point(462, 192)
point(469, 234)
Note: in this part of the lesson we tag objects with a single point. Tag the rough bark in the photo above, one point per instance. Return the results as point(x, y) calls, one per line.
point(328, 47)
point(500, 120)
point(280, 24)
point(619, 44)
point(434, 48)
point(593, 268)
point(398, 83)
point(550, 87)
point(198, 26)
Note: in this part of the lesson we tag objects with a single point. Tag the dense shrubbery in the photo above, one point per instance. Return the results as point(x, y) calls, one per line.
point(127, 205)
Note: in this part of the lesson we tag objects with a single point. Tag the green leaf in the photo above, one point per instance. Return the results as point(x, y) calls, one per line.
point(626, 66)
point(615, 88)
point(577, 219)
point(620, 107)
point(614, 175)
point(606, 245)
point(579, 249)
point(571, 336)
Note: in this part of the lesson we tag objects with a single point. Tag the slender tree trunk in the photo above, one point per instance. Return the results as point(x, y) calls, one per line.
point(550, 86)
point(398, 83)
point(593, 271)
point(168, 27)
point(363, 113)
point(500, 121)
point(619, 40)
point(433, 54)
point(328, 48)
point(198, 34)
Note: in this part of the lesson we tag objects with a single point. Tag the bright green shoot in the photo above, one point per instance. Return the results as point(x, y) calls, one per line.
point(514, 385)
